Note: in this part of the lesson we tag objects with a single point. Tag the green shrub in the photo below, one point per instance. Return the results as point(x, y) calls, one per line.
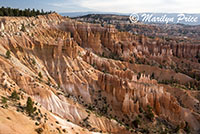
point(33, 61)
point(136, 123)
point(187, 128)
point(23, 29)
point(39, 130)
point(40, 75)
point(5, 106)
point(4, 100)
point(37, 124)
point(141, 110)
point(14, 95)
point(8, 54)
point(177, 129)
point(152, 76)
point(139, 75)
point(149, 113)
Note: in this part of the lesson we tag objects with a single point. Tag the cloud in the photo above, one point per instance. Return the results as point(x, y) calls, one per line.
point(128, 6)
point(123, 6)
point(63, 3)
point(68, 6)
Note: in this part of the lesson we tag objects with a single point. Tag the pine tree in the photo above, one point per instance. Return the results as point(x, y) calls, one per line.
point(29, 106)
point(1, 13)
point(33, 12)
point(21, 13)
point(16, 12)
point(38, 12)
point(42, 12)
point(10, 12)
point(26, 13)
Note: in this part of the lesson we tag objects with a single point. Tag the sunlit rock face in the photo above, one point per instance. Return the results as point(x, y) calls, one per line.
point(74, 58)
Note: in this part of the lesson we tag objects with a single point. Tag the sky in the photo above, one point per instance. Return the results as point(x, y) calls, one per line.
point(120, 6)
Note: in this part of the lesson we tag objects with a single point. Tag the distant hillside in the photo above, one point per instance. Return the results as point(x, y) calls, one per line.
point(123, 23)
point(169, 15)
point(78, 14)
